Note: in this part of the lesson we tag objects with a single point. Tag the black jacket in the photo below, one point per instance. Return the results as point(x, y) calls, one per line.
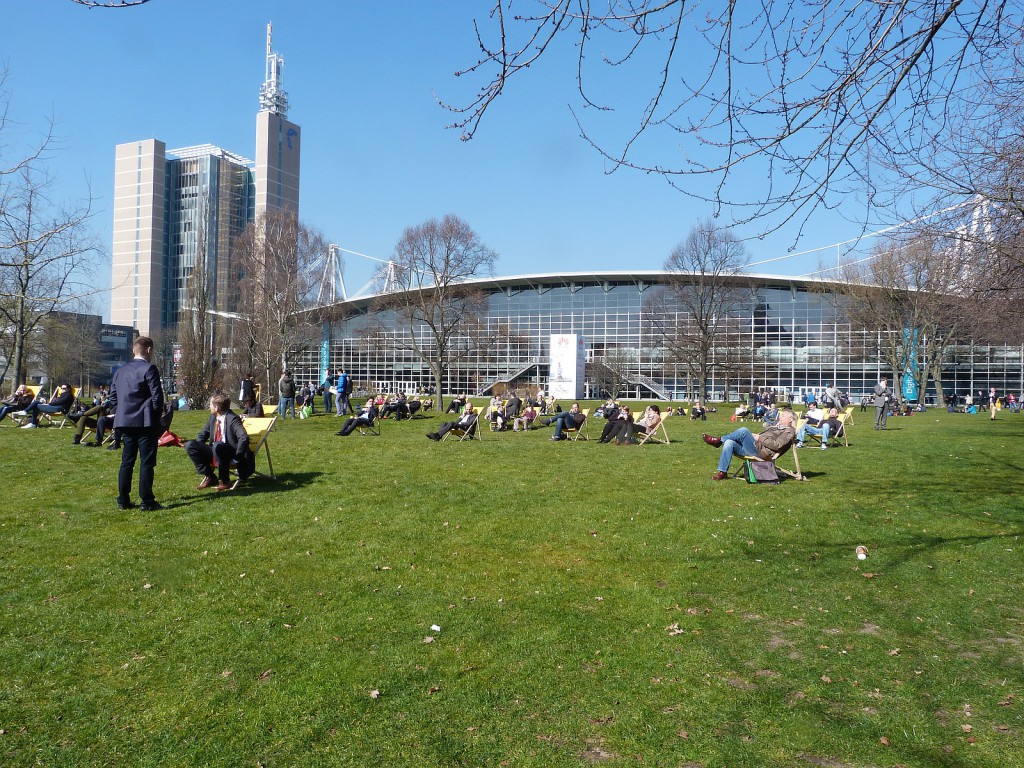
point(234, 433)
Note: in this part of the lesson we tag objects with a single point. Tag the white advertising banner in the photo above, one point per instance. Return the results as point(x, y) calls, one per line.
point(567, 363)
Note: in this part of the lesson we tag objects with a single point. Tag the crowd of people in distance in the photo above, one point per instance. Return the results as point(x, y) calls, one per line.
point(224, 443)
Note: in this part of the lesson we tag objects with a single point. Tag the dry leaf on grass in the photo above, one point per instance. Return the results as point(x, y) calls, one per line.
point(265, 674)
point(884, 741)
point(374, 694)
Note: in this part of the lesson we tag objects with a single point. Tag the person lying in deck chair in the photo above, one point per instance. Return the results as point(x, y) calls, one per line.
point(466, 421)
point(745, 443)
point(367, 414)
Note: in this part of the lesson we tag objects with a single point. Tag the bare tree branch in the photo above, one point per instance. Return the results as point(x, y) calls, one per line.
point(811, 98)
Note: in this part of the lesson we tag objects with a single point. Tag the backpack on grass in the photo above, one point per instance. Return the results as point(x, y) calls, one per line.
point(761, 472)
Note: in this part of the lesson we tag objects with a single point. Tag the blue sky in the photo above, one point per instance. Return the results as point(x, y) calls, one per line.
point(363, 81)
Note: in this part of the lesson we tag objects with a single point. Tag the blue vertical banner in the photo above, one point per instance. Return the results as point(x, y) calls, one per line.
point(910, 387)
point(325, 350)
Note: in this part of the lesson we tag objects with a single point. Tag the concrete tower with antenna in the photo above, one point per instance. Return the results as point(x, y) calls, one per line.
point(278, 141)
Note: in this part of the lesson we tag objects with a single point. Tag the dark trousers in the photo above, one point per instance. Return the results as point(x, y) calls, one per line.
point(204, 456)
point(103, 423)
point(353, 423)
point(137, 443)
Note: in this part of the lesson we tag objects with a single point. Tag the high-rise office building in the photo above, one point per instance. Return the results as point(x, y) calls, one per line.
point(172, 207)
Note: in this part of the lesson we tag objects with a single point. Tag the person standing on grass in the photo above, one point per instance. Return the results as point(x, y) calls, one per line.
point(329, 383)
point(882, 397)
point(344, 391)
point(993, 402)
point(138, 397)
point(286, 394)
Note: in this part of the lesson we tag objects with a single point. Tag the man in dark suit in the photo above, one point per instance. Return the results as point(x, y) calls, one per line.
point(138, 397)
point(220, 442)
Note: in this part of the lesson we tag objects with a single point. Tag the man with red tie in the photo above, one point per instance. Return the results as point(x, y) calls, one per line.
point(220, 442)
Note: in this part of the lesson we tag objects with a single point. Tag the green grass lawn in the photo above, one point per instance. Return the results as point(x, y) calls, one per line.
point(597, 605)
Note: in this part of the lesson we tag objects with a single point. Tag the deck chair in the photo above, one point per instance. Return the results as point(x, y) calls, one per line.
point(848, 412)
point(658, 435)
point(473, 432)
point(581, 432)
point(258, 431)
point(838, 436)
point(795, 473)
point(52, 418)
point(371, 429)
point(18, 417)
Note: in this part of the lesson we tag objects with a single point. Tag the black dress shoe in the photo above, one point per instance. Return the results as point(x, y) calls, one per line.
point(151, 506)
point(122, 506)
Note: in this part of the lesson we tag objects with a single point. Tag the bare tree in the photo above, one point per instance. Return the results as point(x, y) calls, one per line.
point(70, 348)
point(198, 367)
point(430, 267)
point(691, 314)
point(110, 3)
point(275, 256)
point(805, 95)
point(611, 372)
point(914, 295)
point(44, 247)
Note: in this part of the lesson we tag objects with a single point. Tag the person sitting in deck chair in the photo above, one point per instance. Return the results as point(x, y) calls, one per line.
point(828, 427)
point(524, 420)
point(645, 425)
point(467, 421)
point(19, 401)
point(365, 418)
point(571, 419)
point(745, 443)
point(224, 439)
point(61, 402)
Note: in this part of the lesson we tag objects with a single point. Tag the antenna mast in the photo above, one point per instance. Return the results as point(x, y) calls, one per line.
point(272, 95)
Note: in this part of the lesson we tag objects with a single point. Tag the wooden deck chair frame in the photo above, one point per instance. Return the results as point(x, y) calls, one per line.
point(796, 474)
point(848, 410)
point(473, 433)
point(18, 417)
point(258, 428)
point(653, 436)
point(581, 432)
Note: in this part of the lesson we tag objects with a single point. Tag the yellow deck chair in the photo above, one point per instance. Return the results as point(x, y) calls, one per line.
point(794, 473)
point(472, 432)
point(258, 431)
point(658, 435)
point(53, 417)
point(18, 417)
point(581, 432)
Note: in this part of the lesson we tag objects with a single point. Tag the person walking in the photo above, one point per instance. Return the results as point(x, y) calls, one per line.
point(138, 397)
point(882, 397)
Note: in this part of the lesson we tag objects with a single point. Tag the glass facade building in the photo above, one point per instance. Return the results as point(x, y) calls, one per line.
point(787, 333)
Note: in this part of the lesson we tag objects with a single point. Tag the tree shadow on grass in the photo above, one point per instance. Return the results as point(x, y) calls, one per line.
point(902, 549)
